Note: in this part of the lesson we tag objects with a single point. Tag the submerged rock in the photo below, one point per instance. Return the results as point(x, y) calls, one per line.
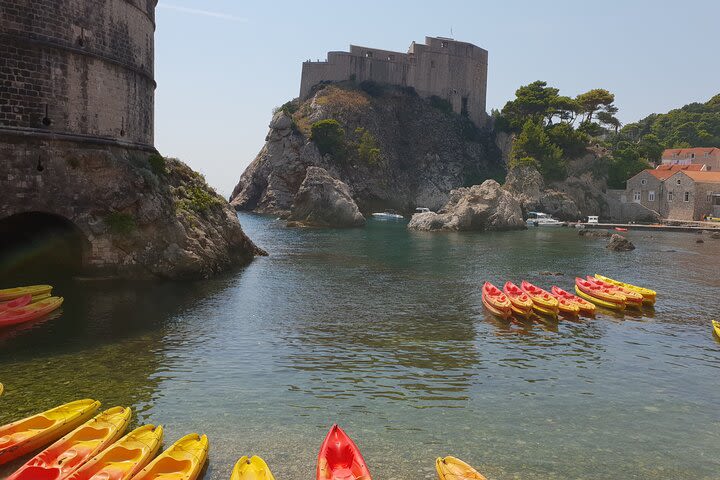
point(618, 243)
point(323, 201)
point(477, 208)
point(586, 232)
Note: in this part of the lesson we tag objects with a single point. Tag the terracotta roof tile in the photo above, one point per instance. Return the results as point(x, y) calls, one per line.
point(703, 177)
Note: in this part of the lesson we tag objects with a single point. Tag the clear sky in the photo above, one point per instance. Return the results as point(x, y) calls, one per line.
point(223, 65)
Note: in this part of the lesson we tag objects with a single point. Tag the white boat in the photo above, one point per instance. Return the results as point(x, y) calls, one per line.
point(538, 219)
point(422, 210)
point(387, 215)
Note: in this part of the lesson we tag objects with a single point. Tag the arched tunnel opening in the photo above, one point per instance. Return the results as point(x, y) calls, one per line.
point(36, 247)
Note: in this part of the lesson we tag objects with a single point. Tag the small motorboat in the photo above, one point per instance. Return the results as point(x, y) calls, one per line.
point(422, 210)
point(538, 219)
point(387, 215)
point(621, 229)
point(340, 459)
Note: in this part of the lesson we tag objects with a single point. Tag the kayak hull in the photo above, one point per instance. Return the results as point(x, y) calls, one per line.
point(124, 458)
point(340, 458)
point(539, 297)
point(451, 468)
point(27, 435)
point(30, 312)
point(13, 293)
point(649, 296)
point(253, 468)
point(599, 302)
point(73, 450)
point(182, 461)
point(716, 328)
point(585, 307)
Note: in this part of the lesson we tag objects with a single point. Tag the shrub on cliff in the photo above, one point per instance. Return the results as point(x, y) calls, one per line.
point(367, 148)
point(534, 143)
point(329, 137)
point(157, 164)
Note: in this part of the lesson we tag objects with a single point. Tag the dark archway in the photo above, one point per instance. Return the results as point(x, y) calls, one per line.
point(37, 246)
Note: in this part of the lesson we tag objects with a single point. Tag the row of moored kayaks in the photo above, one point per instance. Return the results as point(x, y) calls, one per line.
point(91, 446)
point(25, 304)
point(527, 299)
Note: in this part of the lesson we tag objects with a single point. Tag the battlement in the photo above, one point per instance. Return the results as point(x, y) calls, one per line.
point(453, 70)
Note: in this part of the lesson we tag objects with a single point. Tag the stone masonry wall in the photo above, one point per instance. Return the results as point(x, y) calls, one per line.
point(78, 67)
point(452, 70)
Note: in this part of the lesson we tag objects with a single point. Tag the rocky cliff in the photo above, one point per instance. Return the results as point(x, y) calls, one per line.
point(398, 151)
point(127, 212)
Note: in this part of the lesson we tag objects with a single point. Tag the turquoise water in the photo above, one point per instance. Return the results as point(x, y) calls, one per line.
point(383, 331)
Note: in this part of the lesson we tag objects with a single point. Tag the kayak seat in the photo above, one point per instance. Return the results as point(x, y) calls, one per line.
point(168, 465)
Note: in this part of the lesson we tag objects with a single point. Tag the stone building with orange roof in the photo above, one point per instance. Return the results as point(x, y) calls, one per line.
point(708, 156)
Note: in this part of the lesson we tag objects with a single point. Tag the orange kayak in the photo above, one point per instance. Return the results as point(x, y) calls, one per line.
point(17, 303)
point(496, 301)
point(596, 290)
point(70, 452)
point(30, 312)
point(517, 297)
point(540, 297)
point(124, 458)
point(24, 436)
point(340, 459)
point(584, 306)
point(632, 298)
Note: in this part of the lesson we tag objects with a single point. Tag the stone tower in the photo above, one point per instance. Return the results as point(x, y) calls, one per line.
point(82, 189)
point(452, 70)
point(78, 69)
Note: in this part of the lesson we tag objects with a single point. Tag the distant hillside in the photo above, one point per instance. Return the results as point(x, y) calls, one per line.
point(694, 125)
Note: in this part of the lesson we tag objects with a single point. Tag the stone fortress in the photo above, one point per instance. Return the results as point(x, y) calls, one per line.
point(78, 69)
point(443, 67)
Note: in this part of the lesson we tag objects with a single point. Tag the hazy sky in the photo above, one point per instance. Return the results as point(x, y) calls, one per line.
point(223, 65)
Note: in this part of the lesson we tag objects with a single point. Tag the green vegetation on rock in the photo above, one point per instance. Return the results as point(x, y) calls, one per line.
point(329, 137)
point(367, 147)
point(120, 223)
point(157, 164)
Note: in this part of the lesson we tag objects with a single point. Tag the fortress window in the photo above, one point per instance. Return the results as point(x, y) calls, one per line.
point(443, 44)
point(368, 54)
point(391, 57)
point(463, 108)
point(432, 63)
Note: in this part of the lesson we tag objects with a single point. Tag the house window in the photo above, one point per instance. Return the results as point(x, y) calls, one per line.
point(678, 181)
point(643, 181)
point(707, 155)
point(651, 196)
point(636, 196)
point(692, 155)
point(670, 196)
point(687, 196)
point(709, 197)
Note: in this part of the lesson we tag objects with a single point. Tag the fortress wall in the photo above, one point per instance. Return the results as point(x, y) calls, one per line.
point(455, 71)
point(78, 67)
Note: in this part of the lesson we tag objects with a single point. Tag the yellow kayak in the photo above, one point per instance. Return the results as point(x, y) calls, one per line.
point(715, 323)
point(124, 458)
point(13, 293)
point(597, 301)
point(69, 453)
point(182, 461)
point(649, 296)
point(546, 312)
point(253, 468)
point(24, 436)
point(2, 389)
point(451, 468)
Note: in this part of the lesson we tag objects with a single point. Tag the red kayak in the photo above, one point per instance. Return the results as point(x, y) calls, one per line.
point(340, 459)
point(29, 312)
point(17, 303)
